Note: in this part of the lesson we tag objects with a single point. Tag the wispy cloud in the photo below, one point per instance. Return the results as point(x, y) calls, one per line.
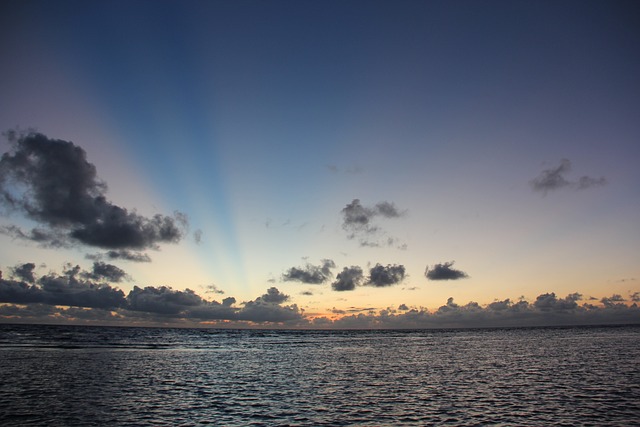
point(121, 254)
point(359, 223)
point(554, 179)
point(213, 289)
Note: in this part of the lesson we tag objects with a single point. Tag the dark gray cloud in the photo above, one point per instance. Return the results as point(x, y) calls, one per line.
point(228, 301)
point(106, 272)
point(51, 182)
point(547, 310)
point(358, 222)
point(24, 272)
point(268, 308)
point(387, 210)
point(444, 272)
point(554, 179)
point(175, 304)
point(357, 218)
point(311, 274)
point(121, 254)
point(348, 279)
point(273, 296)
point(549, 302)
point(67, 289)
point(162, 300)
point(77, 289)
point(70, 297)
point(44, 238)
point(381, 276)
point(613, 300)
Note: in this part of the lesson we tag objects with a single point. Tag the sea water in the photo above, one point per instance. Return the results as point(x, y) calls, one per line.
point(84, 376)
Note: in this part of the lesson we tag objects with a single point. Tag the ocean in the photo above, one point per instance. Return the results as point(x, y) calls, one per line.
point(114, 376)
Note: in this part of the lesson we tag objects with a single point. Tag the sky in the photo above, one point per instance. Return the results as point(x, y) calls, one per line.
point(320, 164)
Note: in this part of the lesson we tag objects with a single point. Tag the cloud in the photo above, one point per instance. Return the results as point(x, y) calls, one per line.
point(547, 310)
point(121, 254)
point(549, 302)
point(444, 272)
point(387, 210)
point(71, 297)
point(348, 279)
point(358, 221)
point(162, 300)
point(44, 238)
point(25, 272)
point(612, 301)
point(349, 170)
point(107, 272)
point(311, 274)
point(197, 236)
point(67, 289)
point(554, 179)
point(268, 308)
point(228, 301)
point(51, 182)
point(213, 289)
point(273, 296)
point(382, 276)
point(587, 182)
point(78, 289)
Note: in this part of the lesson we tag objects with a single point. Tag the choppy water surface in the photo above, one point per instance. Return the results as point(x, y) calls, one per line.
point(53, 375)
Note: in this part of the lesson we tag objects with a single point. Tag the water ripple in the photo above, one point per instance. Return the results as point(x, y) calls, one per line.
point(146, 377)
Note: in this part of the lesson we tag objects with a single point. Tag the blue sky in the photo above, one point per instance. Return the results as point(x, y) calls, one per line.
point(262, 121)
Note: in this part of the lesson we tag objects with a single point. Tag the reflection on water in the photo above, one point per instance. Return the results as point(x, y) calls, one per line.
point(54, 375)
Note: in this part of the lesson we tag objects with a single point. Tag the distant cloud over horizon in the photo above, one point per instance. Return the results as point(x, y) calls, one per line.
point(547, 310)
point(554, 179)
point(75, 297)
point(358, 223)
point(444, 271)
point(80, 289)
point(51, 182)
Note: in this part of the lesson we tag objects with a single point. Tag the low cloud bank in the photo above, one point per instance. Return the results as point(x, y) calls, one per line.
point(48, 296)
point(546, 310)
point(77, 296)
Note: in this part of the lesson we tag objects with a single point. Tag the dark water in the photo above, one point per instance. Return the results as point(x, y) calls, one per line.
point(53, 375)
